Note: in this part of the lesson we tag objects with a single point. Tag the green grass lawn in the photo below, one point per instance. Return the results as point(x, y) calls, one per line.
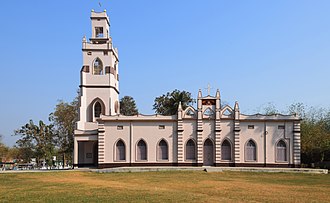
point(164, 187)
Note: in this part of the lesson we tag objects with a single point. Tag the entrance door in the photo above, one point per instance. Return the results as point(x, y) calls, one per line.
point(208, 153)
point(87, 153)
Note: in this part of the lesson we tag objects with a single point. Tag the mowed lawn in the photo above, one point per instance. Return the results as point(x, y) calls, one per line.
point(73, 186)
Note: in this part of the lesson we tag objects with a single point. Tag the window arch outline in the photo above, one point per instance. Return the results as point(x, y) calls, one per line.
point(136, 150)
point(158, 148)
point(231, 149)
point(285, 153)
point(99, 69)
point(91, 116)
point(225, 109)
point(208, 113)
point(195, 150)
point(255, 151)
point(208, 138)
point(190, 112)
point(115, 151)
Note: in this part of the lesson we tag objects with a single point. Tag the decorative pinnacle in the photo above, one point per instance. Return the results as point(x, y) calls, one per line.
point(218, 93)
point(180, 106)
point(236, 108)
point(199, 93)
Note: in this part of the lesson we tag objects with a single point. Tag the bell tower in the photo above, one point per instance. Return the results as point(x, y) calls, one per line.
point(99, 85)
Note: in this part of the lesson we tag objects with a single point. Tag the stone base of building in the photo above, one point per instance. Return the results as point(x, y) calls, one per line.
point(85, 166)
point(270, 165)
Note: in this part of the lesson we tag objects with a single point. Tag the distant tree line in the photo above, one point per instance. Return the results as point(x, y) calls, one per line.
point(42, 141)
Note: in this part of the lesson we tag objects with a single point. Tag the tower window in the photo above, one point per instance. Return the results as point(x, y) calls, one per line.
point(99, 32)
point(97, 110)
point(98, 67)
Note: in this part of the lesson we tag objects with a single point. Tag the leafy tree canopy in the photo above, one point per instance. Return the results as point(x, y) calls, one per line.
point(36, 140)
point(128, 106)
point(167, 104)
point(64, 118)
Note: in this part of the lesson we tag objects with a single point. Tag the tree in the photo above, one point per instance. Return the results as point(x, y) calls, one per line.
point(3, 150)
point(36, 140)
point(128, 106)
point(64, 119)
point(297, 109)
point(315, 132)
point(168, 103)
point(26, 150)
point(315, 135)
point(269, 109)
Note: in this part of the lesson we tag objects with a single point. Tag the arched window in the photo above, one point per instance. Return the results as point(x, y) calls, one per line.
point(190, 150)
point(120, 151)
point(98, 67)
point(162, 150)
point(251, 151)
point(226, 150)
point(97, 110)
point(281, 151)
point(141, 151)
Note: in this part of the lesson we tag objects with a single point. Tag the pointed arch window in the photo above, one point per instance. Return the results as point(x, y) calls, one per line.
point(141, 151)
point(251, 151)
point(97, 110)
point(120, 151)
point(281, 154)
point(162, 150)
point(98, 67)
point(190, 150)
point(226, 151)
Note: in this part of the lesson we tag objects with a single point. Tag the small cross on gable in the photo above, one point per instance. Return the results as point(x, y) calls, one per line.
point(208, 89)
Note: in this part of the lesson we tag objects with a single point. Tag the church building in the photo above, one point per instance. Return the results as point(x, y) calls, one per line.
point(210, 135)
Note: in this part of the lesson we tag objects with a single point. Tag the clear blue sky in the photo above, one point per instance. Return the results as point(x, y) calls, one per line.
point(255, 52)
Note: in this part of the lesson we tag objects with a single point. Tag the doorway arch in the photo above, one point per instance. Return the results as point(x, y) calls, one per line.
point(208, 153)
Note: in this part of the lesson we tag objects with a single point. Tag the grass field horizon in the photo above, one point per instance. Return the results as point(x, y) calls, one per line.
point(173, 186)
